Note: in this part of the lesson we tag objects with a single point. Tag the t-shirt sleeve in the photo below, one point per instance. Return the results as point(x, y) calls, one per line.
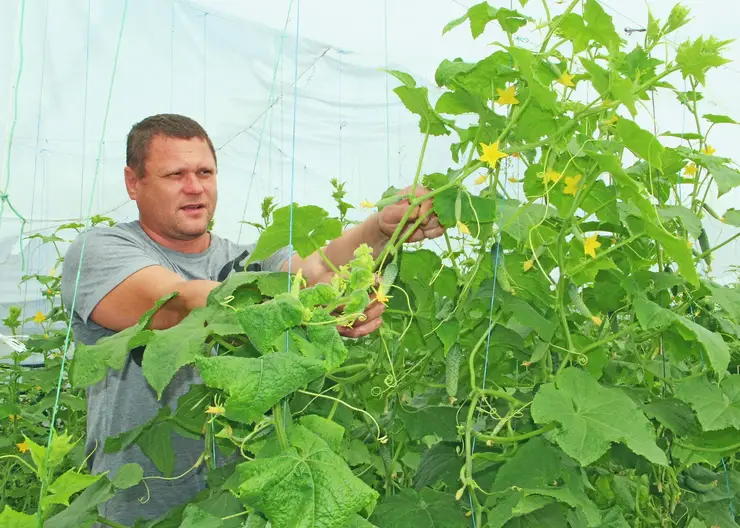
point(108, 256)
point(242, 252)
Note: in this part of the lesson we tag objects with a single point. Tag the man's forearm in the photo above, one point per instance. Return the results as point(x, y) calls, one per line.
point(191, 294)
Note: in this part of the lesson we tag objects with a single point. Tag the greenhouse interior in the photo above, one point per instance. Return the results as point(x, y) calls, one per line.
point(428, 264)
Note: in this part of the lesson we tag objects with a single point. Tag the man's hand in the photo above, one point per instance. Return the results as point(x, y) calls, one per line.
point(391, 215)
point(374, 319)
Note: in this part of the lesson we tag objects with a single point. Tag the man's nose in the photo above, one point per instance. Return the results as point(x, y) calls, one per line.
point(192, 184)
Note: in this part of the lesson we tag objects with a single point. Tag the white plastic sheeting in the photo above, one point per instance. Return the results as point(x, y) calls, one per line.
point(215, 60)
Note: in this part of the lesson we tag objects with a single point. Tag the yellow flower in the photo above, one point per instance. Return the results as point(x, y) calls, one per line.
point(527, 265)
point(571, 184)
point(217, 409)
point(515, 155)
point(566, 79)
point(381, 297)
point(481, 179)
point(23, 447)
point(53, 272)
point(596, 319)
point(507, 97)
point(512, 179)
point(590, 245)
point(491, 154)
point(463, 228)
point(708, 150)
point(48, 291)
point(46, 336)
point(612, 120)
point(14, 417)
point(690, 169)
point(367, 205)
point(551, 175)
point(39, 317)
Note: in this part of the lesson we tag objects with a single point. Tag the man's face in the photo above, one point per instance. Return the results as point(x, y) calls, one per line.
point(177, 195)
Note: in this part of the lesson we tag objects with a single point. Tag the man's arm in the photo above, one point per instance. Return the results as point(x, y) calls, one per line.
point(126, 303)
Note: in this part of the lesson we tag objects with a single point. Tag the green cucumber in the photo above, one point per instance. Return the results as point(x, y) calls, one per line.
point(452, 370)
point(575, 296)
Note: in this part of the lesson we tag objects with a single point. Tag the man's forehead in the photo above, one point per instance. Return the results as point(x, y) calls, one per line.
point(166, 149)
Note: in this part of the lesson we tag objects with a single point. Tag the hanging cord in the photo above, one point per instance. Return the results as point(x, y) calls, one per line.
point(387, 103)
point(84, 109)
point(205, 69)
point(4, 197)
point(292, 175)
point(37, 152)
point(79, 268)
point(264, 122)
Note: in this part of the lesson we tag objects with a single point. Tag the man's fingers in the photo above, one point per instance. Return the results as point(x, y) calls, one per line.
point(361, 330)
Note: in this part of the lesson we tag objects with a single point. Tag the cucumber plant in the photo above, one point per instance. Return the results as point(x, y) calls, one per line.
point(567, 359)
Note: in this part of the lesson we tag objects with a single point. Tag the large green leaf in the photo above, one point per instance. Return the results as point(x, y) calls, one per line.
point(307, 227)
point(528, 65)
point(697, 57)
point(481, 14)
point(305, 486)
point(265, 322)
point(194, 517)
point(716, 405)
point(425, 509)
point(600, 25)
point(592, 417)
point(641, 142)
point(9, 518)
point(66, 485)
point(633, 192)
point(688, 218)
point(84, 509)
point(156, 443)
point(651, 315)
point(171, 349)
point(253, 385)
point(416, 100)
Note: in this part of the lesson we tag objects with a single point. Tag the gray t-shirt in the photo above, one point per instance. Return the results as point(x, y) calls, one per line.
point(124, 400)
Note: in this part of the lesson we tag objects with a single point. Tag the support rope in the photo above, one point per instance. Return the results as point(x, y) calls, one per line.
point(79, 268)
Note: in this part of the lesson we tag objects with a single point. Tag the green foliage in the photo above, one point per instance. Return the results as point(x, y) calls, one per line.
point(566, 360)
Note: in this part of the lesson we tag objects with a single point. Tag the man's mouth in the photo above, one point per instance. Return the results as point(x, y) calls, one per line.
point(194, 207)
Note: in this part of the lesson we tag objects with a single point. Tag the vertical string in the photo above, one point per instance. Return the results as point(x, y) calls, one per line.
point(84, 109)
point(36, 150)
point(4, 198)
point(387, 103)
point(262, 129)
point(292, 171)
point(65, 349)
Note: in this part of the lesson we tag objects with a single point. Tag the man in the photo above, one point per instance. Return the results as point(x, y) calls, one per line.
point(171, 174)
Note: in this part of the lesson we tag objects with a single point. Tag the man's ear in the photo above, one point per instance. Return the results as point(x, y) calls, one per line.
point(132, 182)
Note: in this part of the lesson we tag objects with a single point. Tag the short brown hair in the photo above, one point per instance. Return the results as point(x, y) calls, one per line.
point(168, 125)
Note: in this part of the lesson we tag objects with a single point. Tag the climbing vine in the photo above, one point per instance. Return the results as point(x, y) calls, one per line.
point(566, 358)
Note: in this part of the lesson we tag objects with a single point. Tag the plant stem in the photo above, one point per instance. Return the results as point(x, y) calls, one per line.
point(277, 418)
point(718, 246)
point(733, 447)
point(624, 331)
point(469, 482)
point(516, 438)
point(421, 160)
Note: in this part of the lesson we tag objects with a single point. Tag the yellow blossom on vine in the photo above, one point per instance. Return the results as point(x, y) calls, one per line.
point(215, 409)
point(690, 169)
point(23, 447)
point(571, 184)
point(708, 150)
point(527, 265)
point(481, 179)
point(590, 245)
point(512, 179)
point(53, 272)
point(507, 97)
point(491, 154)
point(366, 204)
point(48, 291)
point(463, 228)
point(14, 417)
point(596, 319)
point(39, 317)
point(381, 297)
point(566, 79)
point(551, 175)
point(612, 120)
point(515, 155)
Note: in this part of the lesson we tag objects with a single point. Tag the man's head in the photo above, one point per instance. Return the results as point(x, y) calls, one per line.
point(171, 174)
